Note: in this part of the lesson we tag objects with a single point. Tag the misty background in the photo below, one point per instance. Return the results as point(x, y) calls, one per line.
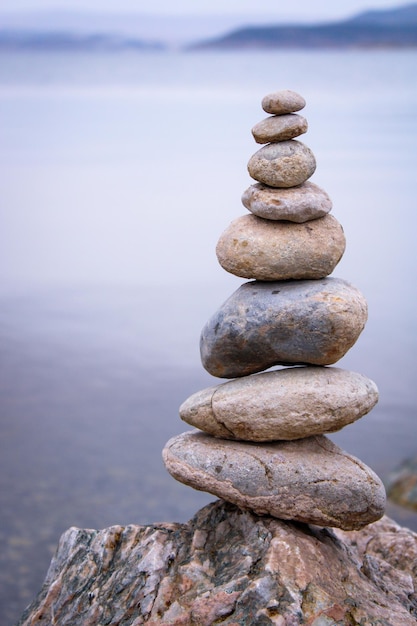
point(119, 172)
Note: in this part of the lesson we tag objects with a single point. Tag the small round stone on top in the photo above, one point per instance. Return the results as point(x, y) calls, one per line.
point(281, 102)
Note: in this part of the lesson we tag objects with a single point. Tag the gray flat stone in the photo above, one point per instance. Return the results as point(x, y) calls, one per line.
point(282, 164)
point(283, 101)
point(310, 480)
point(252, 247)
point(263, 324)
point(289, 403)
point(279, 128)
point(296, 204)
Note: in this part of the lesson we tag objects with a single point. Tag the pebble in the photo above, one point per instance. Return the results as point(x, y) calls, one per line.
point(310, 480)
point(263, 324)
point(283, 164)
point(283, 101)
point(296, 204)
point(252, 247)
point(279, 128)
point(289, 403)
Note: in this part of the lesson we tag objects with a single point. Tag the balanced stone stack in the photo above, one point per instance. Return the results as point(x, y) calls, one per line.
point(261, 441)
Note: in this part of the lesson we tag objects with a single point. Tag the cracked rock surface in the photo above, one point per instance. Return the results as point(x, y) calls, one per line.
point(290, 403)
point(228, 566)
point(310, 480)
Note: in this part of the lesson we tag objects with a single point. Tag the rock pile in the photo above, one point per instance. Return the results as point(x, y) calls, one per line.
point(263, 445)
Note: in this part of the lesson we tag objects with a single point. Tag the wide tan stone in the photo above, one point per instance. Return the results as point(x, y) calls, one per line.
point(296, 204)
point(290, 403)
point(252, 247)
point(279, 128)
point(282, 164)
point(309, 480)
point(283, 101)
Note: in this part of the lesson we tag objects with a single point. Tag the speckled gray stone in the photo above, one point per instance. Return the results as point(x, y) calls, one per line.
point(296, 204)
point(310, 480)
point(289, 403)
point(279, 128)
point(283, 101)
point(282, 164)
point(252, 247)
point(282, 323)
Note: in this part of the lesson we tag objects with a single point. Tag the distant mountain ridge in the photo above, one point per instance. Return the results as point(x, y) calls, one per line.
point(67, 41)
point(371, 29)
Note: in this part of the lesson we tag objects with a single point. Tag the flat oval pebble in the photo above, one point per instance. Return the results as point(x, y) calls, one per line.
point(279, 128)
point(296, 204)
point(252, 247)
point(310, 480)
point(282, 164)
point(283, 101)
point(290, 403)
point(312, 322)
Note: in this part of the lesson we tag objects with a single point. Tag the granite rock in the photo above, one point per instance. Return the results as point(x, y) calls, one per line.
point(310, 480)
point(252, 247)
point(296, 204)
point(285, 404)
point(279, 128)
point(230, 566)
point(262, 324)
point(283, 164)
point(283, 101)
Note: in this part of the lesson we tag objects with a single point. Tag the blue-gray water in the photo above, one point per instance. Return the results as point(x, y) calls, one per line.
point(118, 174)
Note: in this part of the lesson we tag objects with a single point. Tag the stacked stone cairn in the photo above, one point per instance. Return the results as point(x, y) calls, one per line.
point(261, 441)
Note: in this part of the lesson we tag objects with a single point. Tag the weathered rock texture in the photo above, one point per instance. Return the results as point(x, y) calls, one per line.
point(282, 164)
point(283, 101)
point(263, 324)
point(296, 204)
point(230, 567)
point(252, 247)
point(287, 404)
point(310, 480)
point(279, 128)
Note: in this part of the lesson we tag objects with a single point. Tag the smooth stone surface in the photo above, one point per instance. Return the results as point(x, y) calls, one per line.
point(283, 101)
point(252, 247)
point(262, 324)
point(296, 204)
point(310, 480)
point(282, 164)
point(231, 567)
point(284, 404)
point(279, 128)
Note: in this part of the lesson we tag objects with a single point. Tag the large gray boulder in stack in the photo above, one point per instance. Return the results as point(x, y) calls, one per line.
point(280, 323)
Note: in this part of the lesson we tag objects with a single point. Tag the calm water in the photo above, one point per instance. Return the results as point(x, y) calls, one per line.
point(118, 174)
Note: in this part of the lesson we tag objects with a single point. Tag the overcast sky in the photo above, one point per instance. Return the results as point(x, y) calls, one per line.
point(295, 9)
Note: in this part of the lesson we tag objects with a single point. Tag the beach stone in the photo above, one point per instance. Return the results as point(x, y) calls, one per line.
point(252, 247)
point(262, 324)
point(279, 128)
point(282, 164)
point(310, 480)
point(296, 204)
point(283, 101)
point(287, 404)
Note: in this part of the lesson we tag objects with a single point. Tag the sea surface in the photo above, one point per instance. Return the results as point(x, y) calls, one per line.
point(118, 173)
